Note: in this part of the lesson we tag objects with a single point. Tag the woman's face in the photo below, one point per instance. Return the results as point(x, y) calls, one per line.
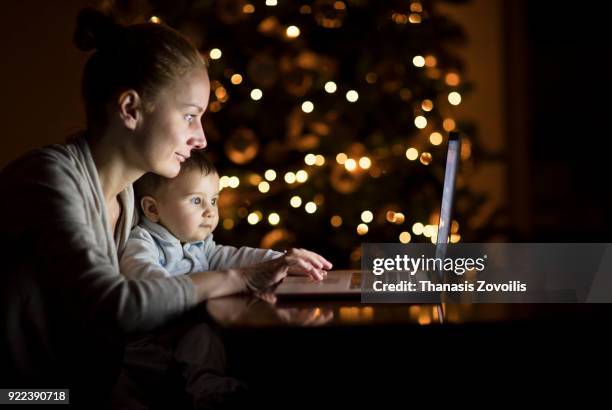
point(174, 127)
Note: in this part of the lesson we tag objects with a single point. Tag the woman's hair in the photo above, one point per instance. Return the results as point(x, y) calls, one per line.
point(149, 183)
point(143, 57)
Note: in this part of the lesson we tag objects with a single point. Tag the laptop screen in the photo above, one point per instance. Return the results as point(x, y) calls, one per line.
point(446, 210)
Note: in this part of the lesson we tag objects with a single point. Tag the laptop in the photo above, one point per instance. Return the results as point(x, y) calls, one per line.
point(348, 282)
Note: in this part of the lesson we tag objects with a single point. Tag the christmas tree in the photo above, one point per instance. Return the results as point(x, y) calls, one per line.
point(328, 119)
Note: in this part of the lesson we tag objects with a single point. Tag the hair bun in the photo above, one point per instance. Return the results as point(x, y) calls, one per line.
point(95, 30)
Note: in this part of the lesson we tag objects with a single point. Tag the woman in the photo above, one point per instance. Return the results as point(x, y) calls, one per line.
point(69, 208)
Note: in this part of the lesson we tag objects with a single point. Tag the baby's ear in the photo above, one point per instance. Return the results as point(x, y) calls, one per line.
point(148, 205)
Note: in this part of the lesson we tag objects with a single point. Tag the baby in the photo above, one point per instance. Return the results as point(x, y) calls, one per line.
point(174, 236)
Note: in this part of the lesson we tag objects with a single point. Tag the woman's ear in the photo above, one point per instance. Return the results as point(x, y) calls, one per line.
point(149, 208)
point(130, 108)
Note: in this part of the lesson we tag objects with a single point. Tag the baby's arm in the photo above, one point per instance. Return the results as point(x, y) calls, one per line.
point(140, 259)
point(298, 261)
point(225, 257)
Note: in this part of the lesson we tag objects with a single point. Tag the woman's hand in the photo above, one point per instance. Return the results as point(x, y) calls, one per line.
point(264, 275)
point(296, 262)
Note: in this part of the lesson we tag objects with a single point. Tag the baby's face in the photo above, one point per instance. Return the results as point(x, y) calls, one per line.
point(188, 205)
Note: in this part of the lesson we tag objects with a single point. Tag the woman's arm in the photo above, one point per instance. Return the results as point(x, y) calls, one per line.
point(54, 232)
point(253, 278)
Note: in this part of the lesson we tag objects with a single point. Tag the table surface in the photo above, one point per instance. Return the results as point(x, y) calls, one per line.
point(251, 312)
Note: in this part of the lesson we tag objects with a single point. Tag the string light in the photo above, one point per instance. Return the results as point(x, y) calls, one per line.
point(215, 54)
point(455, 238)
point(341, 158)
point(398, 218)
point(417, 228)
point(427, 105)
point(155, 19)
point(404, 237)
point(452, 79)
point(414, 18)
point(367, 216)
point(430, 61)
point(293, 31)
point(418, 61)
point(336, 221)
point(215, 106)
point(365, 162)
point(271, 3)
point(253, 218)
point(310, 207)
point(448, 124)
point(256, 94)
point(371, 77)
point(399, 18)
point(301, 176)
point(466, 148)
point(310, 159)
point(454, 227)
point(416, 7)
point(248, 9)
point(362, 229)
point(228, 224)
point(330, 87)
point(273, 218)
point(290, 177)
point(454, 98)
point(352, 96)
point(234, 182)
point(412, 154)
point(425, 158)
point(270, 175)
point(254, 179)
point(236, 79)
point(420, 122)
point(320, 160)
point(350, 164)
point(435, 138)
point(263, 187)
point(224, 181)
point(307, 107)
point(428, 231)
point(295, 201)
point(220, 93)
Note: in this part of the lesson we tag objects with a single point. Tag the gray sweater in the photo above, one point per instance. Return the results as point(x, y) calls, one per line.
point(152, 251)
point(61, 292)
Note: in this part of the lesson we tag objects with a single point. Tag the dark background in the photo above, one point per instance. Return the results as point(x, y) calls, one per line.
point(568, 89)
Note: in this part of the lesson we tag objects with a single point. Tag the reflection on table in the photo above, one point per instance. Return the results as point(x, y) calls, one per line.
point(246, 311)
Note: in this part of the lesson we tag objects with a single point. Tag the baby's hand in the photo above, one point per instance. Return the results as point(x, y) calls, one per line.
point(306, 263)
